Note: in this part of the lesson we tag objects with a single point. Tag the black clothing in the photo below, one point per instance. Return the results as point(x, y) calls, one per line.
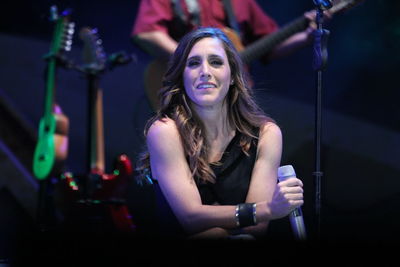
point(233, 176)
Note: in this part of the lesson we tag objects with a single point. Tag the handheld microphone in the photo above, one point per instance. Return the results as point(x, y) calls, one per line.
point(296, 216)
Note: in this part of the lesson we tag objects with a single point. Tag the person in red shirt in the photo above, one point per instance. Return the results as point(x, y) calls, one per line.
point(160, 24)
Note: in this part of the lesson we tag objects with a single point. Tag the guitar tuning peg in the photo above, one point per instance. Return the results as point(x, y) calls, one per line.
point(70, 31)
point(99, 42)
point(70, 27)
point(68, 48)
point(67, 43)
point(67, 36)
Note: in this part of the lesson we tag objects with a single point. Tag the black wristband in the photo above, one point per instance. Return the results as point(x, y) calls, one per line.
point(245, 213)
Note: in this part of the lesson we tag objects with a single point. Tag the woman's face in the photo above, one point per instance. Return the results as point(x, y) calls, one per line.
point(207, 74)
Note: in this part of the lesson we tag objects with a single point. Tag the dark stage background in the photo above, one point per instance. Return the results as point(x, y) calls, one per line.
point(361, 127)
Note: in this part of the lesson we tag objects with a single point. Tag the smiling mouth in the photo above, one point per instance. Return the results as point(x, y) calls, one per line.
point(206, 86)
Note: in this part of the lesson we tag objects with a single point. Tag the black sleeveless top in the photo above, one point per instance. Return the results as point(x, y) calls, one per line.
point(233, 176)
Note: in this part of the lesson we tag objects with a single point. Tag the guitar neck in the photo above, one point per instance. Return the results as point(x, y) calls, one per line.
point(96, 134)
point(50, 89)
point(55, 49)
point(95, 60)
point(267, 43)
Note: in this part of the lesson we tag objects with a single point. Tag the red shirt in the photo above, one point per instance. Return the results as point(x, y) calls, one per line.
point(158, 15)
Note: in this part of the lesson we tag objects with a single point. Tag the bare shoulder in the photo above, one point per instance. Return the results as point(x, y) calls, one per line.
point(270, 142)
point(164, 133)
point(162, 128)
point(270, 130)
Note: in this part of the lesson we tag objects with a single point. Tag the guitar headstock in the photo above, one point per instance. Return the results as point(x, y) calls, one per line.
point(63, 32)
point(343, 5)
point(94, 56)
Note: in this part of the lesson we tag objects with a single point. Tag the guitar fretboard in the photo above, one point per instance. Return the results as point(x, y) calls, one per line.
point(266, 44)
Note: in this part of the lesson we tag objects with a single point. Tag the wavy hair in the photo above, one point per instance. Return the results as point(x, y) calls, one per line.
point(243, 112)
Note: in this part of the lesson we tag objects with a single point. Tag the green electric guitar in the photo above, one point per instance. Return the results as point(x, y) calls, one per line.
point(51, 147)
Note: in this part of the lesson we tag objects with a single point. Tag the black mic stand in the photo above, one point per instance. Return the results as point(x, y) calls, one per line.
point(319, 64)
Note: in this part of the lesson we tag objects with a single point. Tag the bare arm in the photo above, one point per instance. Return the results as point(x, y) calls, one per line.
point(292, 44)
point(263, 180)
point(156, 43)
point(300, 39)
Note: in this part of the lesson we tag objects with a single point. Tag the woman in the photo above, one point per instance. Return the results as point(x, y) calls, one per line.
point(211, 149)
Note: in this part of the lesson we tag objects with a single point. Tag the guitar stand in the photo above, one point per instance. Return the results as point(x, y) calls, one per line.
point(319, 64)
point(97, 196)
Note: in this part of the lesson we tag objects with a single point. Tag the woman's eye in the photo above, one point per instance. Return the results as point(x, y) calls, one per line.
point(192, 63)
point(217, 62)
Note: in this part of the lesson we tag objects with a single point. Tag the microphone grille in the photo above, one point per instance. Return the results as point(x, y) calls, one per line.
point(285, 172)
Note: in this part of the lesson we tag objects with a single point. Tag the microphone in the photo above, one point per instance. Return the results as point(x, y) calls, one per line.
point(296, 216)
point(323, 4)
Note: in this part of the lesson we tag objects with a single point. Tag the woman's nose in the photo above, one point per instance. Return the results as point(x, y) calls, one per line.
point(205, 71)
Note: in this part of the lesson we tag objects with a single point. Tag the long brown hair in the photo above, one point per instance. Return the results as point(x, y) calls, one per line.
point(243, 112)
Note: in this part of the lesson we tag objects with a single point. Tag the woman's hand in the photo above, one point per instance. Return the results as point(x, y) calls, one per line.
point(288, 196)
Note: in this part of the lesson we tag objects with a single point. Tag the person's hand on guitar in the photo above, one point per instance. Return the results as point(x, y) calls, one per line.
point(311, 16)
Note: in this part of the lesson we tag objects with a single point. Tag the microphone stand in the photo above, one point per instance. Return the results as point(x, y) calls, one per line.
point(319, 64)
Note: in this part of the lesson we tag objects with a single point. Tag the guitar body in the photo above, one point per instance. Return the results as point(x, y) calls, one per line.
point(153, 75)
point(106, 202)
point(113, 185)
point(234, 38)
point(44, 156)
point(114, 188)
point(52, 146)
